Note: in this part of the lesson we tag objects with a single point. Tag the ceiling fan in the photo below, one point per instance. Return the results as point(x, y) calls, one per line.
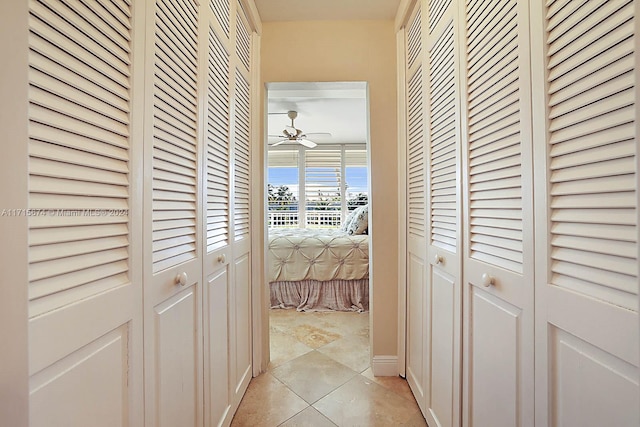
point(291, 134)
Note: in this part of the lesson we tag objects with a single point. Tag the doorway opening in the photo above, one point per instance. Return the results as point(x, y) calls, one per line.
point(317, 190)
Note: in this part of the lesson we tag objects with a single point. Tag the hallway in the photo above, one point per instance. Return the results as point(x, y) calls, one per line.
point(320, 376)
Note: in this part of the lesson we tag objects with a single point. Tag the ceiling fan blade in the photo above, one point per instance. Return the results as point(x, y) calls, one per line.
point(307, 143)
point(318, 134)
point(274, 136)
point(279, 142)
point(279, 113)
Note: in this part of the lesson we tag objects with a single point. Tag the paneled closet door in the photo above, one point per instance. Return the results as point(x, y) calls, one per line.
point(587, 347)
point(85, 283)
point(498, 227)
point(240, 293)
point(416, 352)
point(173, 226)
point(444, 296)
point(217, 247)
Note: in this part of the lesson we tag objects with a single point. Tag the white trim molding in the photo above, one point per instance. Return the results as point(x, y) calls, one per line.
point(385, 366)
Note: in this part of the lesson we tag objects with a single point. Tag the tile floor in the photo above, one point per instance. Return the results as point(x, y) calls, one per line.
point(320, 376)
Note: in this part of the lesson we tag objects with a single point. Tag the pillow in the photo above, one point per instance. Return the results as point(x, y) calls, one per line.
point(348, 220)
point(360, 221)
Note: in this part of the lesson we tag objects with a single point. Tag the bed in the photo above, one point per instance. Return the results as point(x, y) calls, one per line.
point(319, 270)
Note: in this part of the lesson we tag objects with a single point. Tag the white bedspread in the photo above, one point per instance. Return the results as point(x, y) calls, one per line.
point(307, 254)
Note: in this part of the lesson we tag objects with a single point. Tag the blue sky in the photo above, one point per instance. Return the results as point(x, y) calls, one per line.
point(356, 178)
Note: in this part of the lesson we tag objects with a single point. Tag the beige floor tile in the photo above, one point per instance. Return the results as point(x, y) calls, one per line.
point(285, 347)
point(362, 402)
point(396, 384)
point(267, 403)
point(314, 336)
point(351, 351)
point(313, 375)
point(308, 418)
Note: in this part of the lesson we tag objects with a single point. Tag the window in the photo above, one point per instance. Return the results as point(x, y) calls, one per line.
point(315, 188)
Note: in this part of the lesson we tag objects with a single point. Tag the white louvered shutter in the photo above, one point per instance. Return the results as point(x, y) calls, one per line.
point(592, 163)
point(242, 181)
point(221, 11)
point(416, 164)
point(78, 150)
point(217, 144)
point(437, 8)
point(323, 187)
point(495, 205)
point(444, 140)
point(175, 119)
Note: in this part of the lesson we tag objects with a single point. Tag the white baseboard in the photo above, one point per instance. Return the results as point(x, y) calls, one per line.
point(385, 366)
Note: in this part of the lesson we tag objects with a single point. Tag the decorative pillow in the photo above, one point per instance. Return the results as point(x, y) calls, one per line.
point(348, 220)
point(360, 221)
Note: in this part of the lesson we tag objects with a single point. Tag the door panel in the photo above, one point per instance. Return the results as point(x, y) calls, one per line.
point(587, 262)
point(92, 390)
point(216, 349)
point(495, 326)
point(498, 220)
point(85, 280)
point(416, 328)
point(176, 352)
point(173, 225)
point(444, 226)
point(241, 326)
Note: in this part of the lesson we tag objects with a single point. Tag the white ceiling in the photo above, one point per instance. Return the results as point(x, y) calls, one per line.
point(326, 10)
point(339, 108)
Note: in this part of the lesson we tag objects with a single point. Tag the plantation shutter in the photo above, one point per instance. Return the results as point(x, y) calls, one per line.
point(217, 144)
point(437, 9)
point(79, 96)
point(323, 185)
point(243, 38)
point(495, 202)
point(241, 157)
point(593, 149)
point(175, 117)
point(443, 140)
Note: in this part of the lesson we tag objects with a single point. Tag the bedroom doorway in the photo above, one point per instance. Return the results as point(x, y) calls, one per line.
point(317, 168)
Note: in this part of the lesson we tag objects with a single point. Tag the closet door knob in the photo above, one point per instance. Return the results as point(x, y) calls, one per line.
point(487, 280)
point(438, 259)
point(222, 259)
point(181, 279)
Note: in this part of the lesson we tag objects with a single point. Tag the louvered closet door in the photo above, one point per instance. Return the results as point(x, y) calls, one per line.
point(173, 228)
point(416, 351)
point(587, 280)
point(85, 289)
point(498, 232)
point(240, 292)
point(444, 295)
point(217, 247)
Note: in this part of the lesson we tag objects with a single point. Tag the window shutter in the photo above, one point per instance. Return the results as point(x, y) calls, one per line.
point(78, 150)
point(495, 201)
point(241, 157)
point(443, 140)
point(221, 10)
point(593, 200)
point(217, 144)
point(416, 162)
point(175, 116)
point(323, 184)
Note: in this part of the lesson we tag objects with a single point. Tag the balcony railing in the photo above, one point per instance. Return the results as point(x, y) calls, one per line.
point(314, 219)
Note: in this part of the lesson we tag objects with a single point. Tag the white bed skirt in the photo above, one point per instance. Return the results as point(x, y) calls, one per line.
point(314, 295)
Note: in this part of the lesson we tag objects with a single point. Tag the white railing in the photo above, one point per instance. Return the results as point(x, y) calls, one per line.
point(314, 219)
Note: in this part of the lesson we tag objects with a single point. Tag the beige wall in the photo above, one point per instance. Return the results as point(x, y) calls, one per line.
point(354, 51)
